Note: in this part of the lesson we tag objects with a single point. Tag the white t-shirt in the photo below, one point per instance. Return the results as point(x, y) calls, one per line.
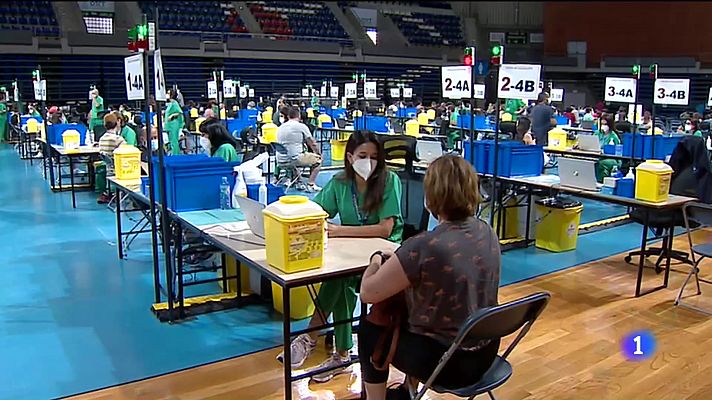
point(292, 135)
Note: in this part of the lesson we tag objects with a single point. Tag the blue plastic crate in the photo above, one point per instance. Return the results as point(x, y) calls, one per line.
point(54, 132)
point(561, 120)
point(664, 145)
point(625, 187)
point(193, 182)
point(481, 122)
point(373, 123)
point(481, 151)
point(518, 159)
point(273, 192)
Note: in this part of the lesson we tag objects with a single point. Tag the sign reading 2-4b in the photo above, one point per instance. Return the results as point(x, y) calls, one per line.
point(672, 91)
point(456, 82)
point(519, 81)
point(620, 90)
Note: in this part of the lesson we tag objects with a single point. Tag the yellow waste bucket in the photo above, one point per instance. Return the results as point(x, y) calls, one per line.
point(294, 232)
point(323, 119)
point(338, 149)
point(423, 118)
point(269, 132)
point(412, 128)
point(127, 163)
point(193, 113)
point(231, 267)
point(70, 139)
point(267, 115)
point(557, 139)
point(310, 112)
point(199, 122)
point(301, 304)
point(32, 125)
point(652, 181)
point(557, 224)
point(431, 114)
point(223, 114)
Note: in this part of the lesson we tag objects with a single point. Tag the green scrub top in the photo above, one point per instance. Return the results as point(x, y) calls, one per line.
point(129, 135)
point(609, 138)
point(337, 198)
point(697, 133)
point(95, 120)
point(227, 152)
point(512, 106)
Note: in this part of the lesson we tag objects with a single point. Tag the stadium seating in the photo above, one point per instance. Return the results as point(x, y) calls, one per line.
point(429, 29)
point(207, 16)
point(35, 16)
point(298, 20)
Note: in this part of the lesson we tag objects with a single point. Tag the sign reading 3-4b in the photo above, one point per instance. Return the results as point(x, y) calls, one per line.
point(620, 90)
point(456, 82)
point(519, 81)
point(672, 91)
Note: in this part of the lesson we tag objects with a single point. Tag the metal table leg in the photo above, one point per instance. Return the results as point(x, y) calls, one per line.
point(71, 179)
point(287, 335)
point(641, 261)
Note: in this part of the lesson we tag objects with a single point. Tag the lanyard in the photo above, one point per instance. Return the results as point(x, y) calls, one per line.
point(362, 218)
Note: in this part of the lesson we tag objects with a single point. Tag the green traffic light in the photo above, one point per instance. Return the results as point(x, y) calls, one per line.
point(468, 51)
point(496, 50)
point(636, 68)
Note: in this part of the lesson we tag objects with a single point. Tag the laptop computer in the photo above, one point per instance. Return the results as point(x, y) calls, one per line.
point(252, 211)
point(589, 143)
point(428, 150)
point(578, 173)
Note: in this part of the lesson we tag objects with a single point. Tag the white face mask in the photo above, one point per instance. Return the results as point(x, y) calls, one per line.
point(688, 127)
point(205, 143)
point(364, 167)
point(605, 128)
point(154, 144)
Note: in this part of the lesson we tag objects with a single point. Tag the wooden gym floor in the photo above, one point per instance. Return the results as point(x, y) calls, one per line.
point(572, 352)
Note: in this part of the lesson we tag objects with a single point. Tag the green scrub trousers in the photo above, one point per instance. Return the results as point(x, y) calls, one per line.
point(339, 297)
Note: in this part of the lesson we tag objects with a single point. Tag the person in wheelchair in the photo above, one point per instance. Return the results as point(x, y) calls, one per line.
point(294, 135)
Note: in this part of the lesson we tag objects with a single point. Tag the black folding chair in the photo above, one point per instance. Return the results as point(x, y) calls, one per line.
point(696, 214)
point(491, 323)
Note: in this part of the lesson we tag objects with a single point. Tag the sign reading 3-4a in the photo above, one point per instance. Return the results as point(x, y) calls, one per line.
point(620, 90)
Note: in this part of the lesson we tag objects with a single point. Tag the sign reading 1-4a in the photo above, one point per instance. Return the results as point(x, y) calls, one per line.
point(519, 81)
point(672, 91)
point(133, 74)
point(620, 90)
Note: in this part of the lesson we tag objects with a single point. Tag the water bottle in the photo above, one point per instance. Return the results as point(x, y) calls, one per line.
point(263, 192)
point(225, 203)
point(619, 150)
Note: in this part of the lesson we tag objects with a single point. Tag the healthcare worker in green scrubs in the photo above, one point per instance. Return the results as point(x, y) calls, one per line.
point(33, 111)
point(3, 118)
point(174, 122)
point(366, 196)
point(217, 141)
point(127, 133)
point(606, 135)
point(514, 107)
point(97, 106)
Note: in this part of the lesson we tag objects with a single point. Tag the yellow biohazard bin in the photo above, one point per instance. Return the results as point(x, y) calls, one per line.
point(269, 132)
point(412, 128)
point(127, 163)
point(70, 140)
point(267, 115)
point(338, 149)
point(323, 119)
point(652, 181)
point(301, 304)
point(557, 224)
point(294, 234)
point(558, 139)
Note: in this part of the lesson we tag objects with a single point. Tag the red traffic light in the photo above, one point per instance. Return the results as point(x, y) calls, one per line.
point(467, 60)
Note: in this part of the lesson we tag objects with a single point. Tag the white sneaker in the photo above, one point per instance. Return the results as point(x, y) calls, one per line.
point(301, 347)
point(334, 361)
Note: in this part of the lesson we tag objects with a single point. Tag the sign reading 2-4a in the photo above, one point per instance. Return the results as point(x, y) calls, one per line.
point(519, 81)
point(620, 90)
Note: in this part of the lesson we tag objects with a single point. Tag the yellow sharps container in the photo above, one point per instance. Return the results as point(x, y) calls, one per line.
point(652, 181)
point(127, 163)
point(294, 234)
point(557, 139)
point(70, 140)
point(267, 115)
point(269, 132)
point(412, 128)
point(557, 224)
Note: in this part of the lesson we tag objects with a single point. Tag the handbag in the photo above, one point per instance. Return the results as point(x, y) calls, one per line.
point(388, 314)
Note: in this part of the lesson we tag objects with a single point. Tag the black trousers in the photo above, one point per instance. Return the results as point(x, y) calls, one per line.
point(418, 355)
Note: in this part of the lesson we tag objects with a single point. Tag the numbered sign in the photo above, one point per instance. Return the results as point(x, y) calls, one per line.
point(369, 90)
point(305, 92)
point(479, 91)
point(350, 90)
point(322, 91)
point(243, 92)
point(709, 98)
point(40, 89)
point(456, 82)
point(395, 92)
point(251, 92)
point(672, 91)
point(133, 77)
point(557, 95)
point(212, 90)
point(151, 36)
point(334, 92)
point(408, 92)
point(229, 89)
point(159, 82)
point(519, 81)
point(620, 90)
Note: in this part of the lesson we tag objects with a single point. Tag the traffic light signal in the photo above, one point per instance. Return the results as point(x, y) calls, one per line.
point(36, 75)
point(497, 54)
point(654, 71)
point(354, 77)
point(469, 57)
point(636, 71)
point(138, 38)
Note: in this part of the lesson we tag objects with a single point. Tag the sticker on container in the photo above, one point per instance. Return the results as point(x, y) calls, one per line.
point(571, 231)
point(305, 240)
